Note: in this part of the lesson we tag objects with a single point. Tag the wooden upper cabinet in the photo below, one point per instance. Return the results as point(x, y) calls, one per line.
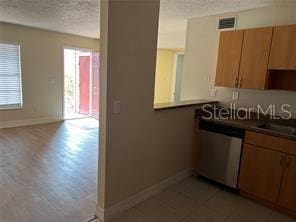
point(255, 56)
point(288, 192)
point(261, 172)
point(283, 49)
point(230, 47)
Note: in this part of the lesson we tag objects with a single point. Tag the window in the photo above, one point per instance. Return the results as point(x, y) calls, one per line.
point(10, 76)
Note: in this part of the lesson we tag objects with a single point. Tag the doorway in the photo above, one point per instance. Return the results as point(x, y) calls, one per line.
point(179, 73)
point(176, 83)
point(81, 84)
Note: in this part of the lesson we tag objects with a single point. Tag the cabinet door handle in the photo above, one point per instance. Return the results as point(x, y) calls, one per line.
point(282, 161)
point(288, 162)
point(240, 82)
point(235, 82)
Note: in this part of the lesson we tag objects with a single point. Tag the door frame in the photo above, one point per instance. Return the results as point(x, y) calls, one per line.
point(63, 75)
point(174, 75)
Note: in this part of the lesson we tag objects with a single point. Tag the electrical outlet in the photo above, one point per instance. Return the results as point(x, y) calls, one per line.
point(213, 78)
point(235, 95)
point(209, 78)
point(214, 92)
point(116, 107)
point(52, 81)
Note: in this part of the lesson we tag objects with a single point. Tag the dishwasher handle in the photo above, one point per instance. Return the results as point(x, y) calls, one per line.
point(222, 129)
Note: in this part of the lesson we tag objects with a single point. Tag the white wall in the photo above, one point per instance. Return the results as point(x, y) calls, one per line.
point(202, 49)
point(42, 70)
point(171, 40)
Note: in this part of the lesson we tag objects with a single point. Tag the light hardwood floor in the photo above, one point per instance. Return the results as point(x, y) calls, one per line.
point(48, 173)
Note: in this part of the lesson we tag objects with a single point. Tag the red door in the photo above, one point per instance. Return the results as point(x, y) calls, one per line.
point(84, 84)
point(95, 86)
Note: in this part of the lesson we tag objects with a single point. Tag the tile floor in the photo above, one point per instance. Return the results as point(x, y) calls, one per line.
point(196, 200)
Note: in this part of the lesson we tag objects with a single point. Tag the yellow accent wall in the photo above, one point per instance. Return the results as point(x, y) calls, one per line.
point(163, 75)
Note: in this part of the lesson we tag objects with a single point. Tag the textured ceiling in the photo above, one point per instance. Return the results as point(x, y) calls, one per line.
point(81, 17)
point(174, 13)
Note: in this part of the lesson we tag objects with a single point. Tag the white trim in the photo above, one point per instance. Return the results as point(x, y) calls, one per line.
point(10, 107)
point(28, 122)
point(10, 42)
point(100, 214)
point(21, 76)
point(108, 214)
point(91, 84)
point(63, 83)
point(81, 49)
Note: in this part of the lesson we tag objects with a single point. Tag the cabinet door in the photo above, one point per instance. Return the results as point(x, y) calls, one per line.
point(288, 189)
point(283, 49)
point(255, 56)
point(229, 54)
point(261, 172)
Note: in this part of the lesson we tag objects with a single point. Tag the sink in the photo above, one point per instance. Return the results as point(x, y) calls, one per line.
point(279, 128)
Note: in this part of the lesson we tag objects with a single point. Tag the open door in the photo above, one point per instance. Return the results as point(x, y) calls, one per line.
point(84, 84)
point(81, 84)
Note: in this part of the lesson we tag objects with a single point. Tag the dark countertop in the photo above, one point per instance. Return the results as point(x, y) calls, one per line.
point(251, 125)
point(172, 105)
point(251, 122)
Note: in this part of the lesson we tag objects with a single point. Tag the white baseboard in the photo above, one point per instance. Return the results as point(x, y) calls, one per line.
point(109, 213)
point(100, 214)
point(28, 122)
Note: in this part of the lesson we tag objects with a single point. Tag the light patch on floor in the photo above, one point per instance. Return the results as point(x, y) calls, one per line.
point(69, 116)
point(84, 123)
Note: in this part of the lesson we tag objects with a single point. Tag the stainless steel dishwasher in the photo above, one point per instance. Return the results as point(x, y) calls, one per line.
point(219, 153)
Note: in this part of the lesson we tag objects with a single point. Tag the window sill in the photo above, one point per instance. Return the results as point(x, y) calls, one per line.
point(10, 108)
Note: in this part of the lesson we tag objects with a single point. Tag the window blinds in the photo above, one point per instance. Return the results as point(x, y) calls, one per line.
point(10, 76)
